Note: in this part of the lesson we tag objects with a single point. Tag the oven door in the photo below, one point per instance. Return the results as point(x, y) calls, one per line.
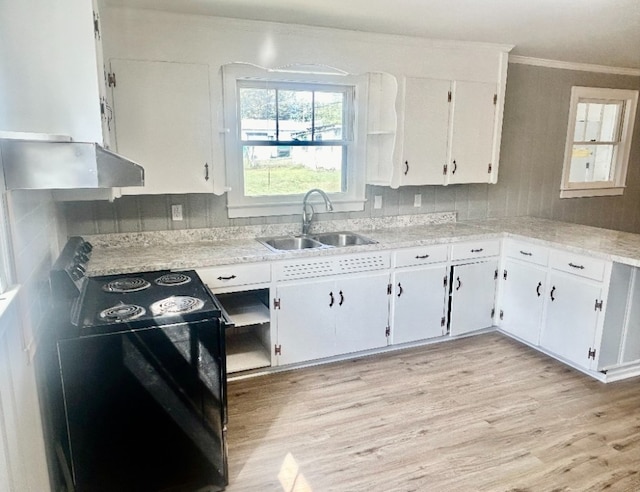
point(145, 408)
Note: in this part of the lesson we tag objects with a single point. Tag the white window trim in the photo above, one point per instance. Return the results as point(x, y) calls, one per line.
point(239, 205)
point(600, 188)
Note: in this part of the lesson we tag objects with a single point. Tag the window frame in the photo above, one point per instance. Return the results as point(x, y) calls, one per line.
point(238, 204)
point(615, 186)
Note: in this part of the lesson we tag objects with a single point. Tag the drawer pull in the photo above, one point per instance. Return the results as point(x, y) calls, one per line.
point(553, 289)
point(341, 298)
point(400, 290)
point(332, 300)
point(230, 277)
point(579, 267)
point(421, 257)
point(538, 288)
point(479, 250)
point(526, 253)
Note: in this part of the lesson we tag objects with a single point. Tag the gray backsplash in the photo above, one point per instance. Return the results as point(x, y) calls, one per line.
point(533, 138)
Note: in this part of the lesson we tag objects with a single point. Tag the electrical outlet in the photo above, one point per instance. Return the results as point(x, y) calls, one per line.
point(176, 212)
point(377, 201)
point(417, 200)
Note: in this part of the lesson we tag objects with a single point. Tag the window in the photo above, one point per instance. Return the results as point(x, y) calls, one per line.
point(289, 132)
point(598, 141)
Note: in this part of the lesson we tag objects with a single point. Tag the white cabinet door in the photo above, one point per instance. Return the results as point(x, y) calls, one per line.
point(419, 297)
point(571, 318)
point(472, 297)
point(362, 313)
point(472, 133)
point(49, 76)
point(163, 122)
point(306, 320)
point(522, 301)
point(426, 131)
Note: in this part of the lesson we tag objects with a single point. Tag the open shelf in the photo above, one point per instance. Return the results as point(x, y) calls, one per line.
point(245, 308)
point(248, 340)
point(245, 352)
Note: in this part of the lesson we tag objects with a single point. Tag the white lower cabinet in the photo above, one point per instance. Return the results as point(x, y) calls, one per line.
point(321, 318)
point(573, 307)
point(419, 303)
point(523, 297)
point(472, 303)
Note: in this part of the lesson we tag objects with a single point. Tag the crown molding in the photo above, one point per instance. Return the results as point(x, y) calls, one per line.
point(583, 67)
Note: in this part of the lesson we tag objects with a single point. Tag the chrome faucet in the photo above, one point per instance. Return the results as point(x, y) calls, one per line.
point(308, 211)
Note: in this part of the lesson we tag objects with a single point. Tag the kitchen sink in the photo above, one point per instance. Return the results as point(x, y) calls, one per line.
point(290, 243)
point(316, 241)
point(344, 238)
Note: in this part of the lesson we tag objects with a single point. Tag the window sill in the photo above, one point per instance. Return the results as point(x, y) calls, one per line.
point(589, 192)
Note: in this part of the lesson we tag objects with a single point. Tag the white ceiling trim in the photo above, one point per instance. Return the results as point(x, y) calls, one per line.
point(583, 67)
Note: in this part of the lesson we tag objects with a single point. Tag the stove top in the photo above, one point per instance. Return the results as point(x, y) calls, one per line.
point(125, 302)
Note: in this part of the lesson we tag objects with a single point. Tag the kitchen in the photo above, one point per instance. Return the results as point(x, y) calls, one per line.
point(535, 110)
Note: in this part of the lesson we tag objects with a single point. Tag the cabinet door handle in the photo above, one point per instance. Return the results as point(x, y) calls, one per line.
point(230, 277)
point(341, 298)
point(526, 253)
point(455, 167)
point(479, 250)
point(579, 267)
point(553, 289)
point(400, 290)
point(538, 288)
point(406, 167)
point(459, 283)
point(206, 171)
point(332, 300)
point(421, 257)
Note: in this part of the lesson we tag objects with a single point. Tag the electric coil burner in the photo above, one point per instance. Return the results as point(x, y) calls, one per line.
point(127, 284)
point(171, 279)
point(143, 380)
point(122, 312)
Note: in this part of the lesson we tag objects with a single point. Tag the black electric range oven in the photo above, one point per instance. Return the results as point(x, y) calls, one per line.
point(142, 363)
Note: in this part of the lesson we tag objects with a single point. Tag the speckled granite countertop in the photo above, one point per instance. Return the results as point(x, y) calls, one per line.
point(128, 253)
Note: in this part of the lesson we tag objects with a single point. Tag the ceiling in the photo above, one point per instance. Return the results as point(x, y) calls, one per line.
point(600, 32)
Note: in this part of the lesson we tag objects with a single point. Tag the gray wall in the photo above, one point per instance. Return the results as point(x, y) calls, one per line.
point(533, 138)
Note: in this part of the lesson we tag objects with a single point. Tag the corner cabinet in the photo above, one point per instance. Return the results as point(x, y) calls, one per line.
point(449, 132)
point(317, 314)
point(524, 289)
point(163, 122)
point(473, 286)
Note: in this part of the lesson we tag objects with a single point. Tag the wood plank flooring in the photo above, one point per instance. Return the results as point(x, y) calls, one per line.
point(478, 414)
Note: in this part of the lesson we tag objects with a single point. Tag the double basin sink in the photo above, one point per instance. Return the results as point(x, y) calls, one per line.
point(315, 241)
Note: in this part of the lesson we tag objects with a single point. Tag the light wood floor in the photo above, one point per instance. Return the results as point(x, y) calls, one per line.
point(483, 413)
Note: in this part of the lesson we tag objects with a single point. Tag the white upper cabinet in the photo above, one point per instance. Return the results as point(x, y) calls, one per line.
point(163, 122)
point(426, 131)
point(51, 82)
point(472, 131)
point(449, 133)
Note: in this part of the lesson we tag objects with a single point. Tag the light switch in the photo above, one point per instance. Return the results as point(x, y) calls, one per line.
point(377, 201)
point(417, 200)
point(176, 212)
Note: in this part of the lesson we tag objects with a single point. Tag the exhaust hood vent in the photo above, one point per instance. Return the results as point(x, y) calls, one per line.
point(37, 162)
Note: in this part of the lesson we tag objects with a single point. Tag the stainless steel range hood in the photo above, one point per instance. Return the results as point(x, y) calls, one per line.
point(35, 162)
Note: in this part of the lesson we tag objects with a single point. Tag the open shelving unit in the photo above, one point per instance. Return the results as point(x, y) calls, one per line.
point(248, 345)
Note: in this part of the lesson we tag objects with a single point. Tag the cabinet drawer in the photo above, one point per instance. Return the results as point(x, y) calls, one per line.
point(584, 266)
point(475, 249)
point(232, 275)
point(532, 253)
point(423, 255)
